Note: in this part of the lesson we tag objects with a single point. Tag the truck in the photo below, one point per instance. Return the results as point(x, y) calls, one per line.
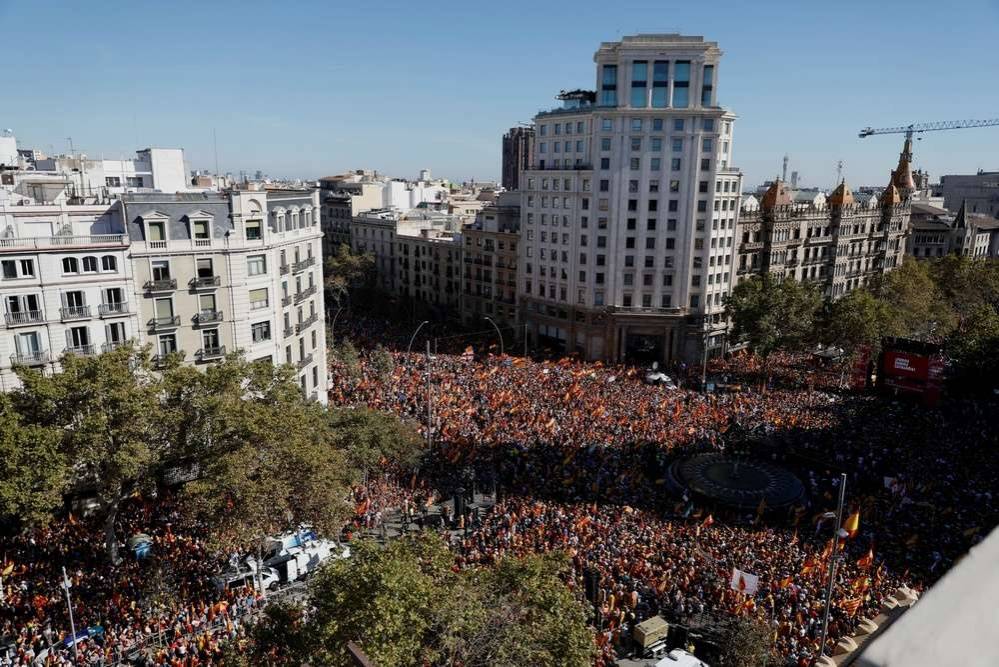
point(297, 554)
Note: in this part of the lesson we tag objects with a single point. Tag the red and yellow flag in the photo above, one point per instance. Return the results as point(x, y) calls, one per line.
point(852, 524)
point(866, 560)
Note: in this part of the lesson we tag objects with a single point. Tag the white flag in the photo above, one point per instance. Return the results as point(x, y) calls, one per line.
point(744, 582)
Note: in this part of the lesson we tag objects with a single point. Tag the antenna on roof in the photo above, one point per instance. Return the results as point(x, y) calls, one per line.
point(784, 170)
point(215, 143)
point(839, 172)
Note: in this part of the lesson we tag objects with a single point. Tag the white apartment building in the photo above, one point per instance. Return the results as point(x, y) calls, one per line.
point(628, 212)
point(66, 284)
point(162, 169)
point(217, 272)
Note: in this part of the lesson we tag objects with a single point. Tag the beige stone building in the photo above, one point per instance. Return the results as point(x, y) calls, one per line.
point(489, 277)
point(220, 272)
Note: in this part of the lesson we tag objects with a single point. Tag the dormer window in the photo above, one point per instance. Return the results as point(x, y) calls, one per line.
point(201, 231)
point(155, 231)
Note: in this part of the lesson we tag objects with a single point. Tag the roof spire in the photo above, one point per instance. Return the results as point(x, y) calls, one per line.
point(961, 220)
point(903, 173)
point(841, 196)
point(776, 195)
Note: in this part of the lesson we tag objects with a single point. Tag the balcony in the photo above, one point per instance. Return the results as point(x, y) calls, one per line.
point(210, 353)
point(285, 268)
point(289, 332)
point(23, 318)
point(204, 282)
point(305, 294)
point(157, 245)
point(306, 323)
point(303, 265)
point(39, 358)
point(286, 300)
point(314, 395)
point(161, 285)
point(207, 317)
point(113, 309)
point(304, 361)
point(81, 350)
point(74, 313)
point(163, 323)
point(110, 346)
point(203, 242)
point(20, 245)
point(160, 360)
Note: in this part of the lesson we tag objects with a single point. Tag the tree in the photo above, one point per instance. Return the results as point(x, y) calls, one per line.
point(370, 438)
point(346, 354)
point(915, 306)
point(405, 605)
point(856, 320)
point(773, 314)
point(740, 641)
point(346, 271)
point(33, 469)
point(382, 362)
point(106, 409)
point(276, 468)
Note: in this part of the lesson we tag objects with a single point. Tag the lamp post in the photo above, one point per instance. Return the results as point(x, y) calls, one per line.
point(69, 607)
point(833, 559)
point(498, 333)
point(409, 348)
point(333, 323)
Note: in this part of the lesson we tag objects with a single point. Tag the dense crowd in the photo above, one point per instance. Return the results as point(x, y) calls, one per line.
point(581, 450)
point(579, 453)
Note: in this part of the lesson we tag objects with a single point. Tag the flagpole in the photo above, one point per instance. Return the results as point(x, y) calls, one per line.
point(69, 607)
point(430, 414)
point(832, 564)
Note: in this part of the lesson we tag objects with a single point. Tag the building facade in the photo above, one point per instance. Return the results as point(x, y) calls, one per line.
point(219, 272)
point(979, 191)
point(518, 152)
point(629, 209)
point(489, 260)
point(66, 283)
point(429, 269)
point(935, 233)
point(839, 245)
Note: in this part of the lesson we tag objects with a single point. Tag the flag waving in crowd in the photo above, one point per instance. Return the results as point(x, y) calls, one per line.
point(744, 582)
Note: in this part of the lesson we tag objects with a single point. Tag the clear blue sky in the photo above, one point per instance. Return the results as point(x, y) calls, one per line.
point(305, 89)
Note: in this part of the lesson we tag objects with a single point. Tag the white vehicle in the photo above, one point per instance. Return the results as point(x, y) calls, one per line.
point(680, 658)
point(298, 554)
point(245, 574)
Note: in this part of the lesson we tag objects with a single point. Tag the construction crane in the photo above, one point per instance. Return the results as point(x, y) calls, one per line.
point(915, 128)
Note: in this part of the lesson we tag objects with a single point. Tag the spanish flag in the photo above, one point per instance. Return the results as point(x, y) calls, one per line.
point(852, 524)
point(867, 560)
point(708, 521)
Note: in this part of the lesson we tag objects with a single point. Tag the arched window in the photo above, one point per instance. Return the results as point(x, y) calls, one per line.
point(292, 221)
point(70, 265)
point(90, 265)
point(109, 263)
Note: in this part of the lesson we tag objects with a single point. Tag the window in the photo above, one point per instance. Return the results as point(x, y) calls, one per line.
point(200, 230)
point(657, 144)
point(636, 143)
point(167, 344)
point(155, 232)
point(650, 225)
point(9, 268)
point(112, 181)
point(655, 164)
point(605, 163)
point(673, 205)
point(260, 331)
point(681, 84)
point(206, 304)
point(674, 164)
point(161, 269)
point(70, 265)
point(253, 230)
point(706, 164)
point(708, 124)
point(608, 86)
point(109, 263)
point(706, 144)
point(660, 78)
point(635, 163)
point(671, 225)
point(204, 268)
point(90, 265)
point(607, 124)
point(636, 124)
point(256, 265)
point(695, 301)
point(677, 145)
point(639, 83)
point(115, 333)
point(707, 85)
point(134, 181)
point(210, 341)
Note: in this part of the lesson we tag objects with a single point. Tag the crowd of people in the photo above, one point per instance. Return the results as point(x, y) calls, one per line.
point(162, 609)
point(578, 452)
point(581, 449)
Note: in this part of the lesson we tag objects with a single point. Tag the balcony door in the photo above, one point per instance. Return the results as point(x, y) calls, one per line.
point(114, 296)
point(164, 310)
point(115, 333)
point(77, 337)
point(28, 344)
point(161, 270)
point(74, 300)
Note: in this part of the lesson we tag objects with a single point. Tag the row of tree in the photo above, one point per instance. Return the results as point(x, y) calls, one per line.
point(407, 604)
point(252, 449)
point(953, 301)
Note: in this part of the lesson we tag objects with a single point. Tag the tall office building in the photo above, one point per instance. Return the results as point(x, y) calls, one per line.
point(518, 148)
point(630, 205)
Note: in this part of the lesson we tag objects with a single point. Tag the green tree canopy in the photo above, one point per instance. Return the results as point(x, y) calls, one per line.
point(772, 314)
point(371, 438)
point(346, 271)
point(33, 469)
point(405, 605)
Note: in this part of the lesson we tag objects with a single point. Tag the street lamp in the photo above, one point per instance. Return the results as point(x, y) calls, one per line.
point(409, 348)
point(333, 323)
point(69, 607)
point(498, 333)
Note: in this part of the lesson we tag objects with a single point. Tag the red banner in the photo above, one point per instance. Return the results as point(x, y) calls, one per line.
point(906, 365)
